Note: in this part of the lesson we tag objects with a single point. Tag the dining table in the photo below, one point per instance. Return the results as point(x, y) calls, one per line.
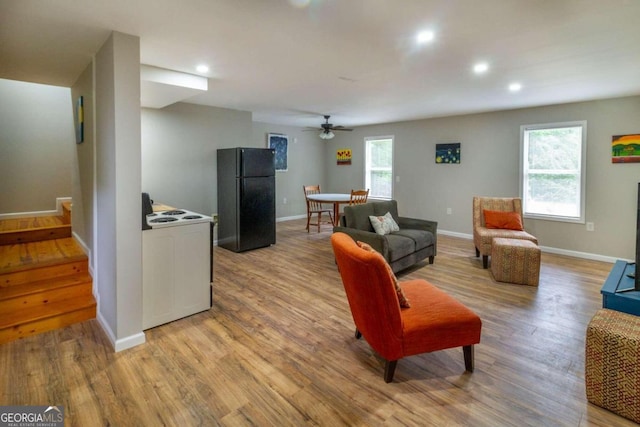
point(334, 198)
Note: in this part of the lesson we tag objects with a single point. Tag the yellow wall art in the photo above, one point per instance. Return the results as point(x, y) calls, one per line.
point(343, 156)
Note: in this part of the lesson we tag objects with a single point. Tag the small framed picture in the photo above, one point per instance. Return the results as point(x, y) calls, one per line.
point(448, 153)
point(625, 148)
point(280, 143)
point(79, 120)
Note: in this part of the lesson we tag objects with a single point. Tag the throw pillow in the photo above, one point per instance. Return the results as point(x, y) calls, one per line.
point(402, 298)
point(504, 220)
point(384, 224)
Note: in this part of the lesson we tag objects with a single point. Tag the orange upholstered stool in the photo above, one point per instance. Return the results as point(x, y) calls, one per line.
point(515, 261)
point(612, 365)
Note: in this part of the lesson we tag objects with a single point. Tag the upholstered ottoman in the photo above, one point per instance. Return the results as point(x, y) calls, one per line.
point(515, 261)
point(612, 365)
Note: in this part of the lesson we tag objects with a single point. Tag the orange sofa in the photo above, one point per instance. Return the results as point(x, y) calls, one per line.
point(435, 320)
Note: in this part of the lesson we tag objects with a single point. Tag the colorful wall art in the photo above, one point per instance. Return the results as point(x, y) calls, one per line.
point(625, 148)
point(448, 153)
point(343, 156)
point(79, 120)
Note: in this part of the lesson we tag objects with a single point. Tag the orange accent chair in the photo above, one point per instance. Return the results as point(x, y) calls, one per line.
point(483, 236)
point(434, 320)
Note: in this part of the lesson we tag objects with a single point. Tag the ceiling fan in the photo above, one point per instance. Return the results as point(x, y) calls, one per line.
point(327, 129)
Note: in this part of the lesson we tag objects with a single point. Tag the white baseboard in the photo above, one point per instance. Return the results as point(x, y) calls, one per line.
point(290, 218)
point(456, 234)
point(123, 343)
point(547, 249)
point(57, 211)
point(130, 341)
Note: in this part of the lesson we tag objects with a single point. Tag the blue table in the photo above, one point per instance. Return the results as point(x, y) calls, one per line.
point(612, 298)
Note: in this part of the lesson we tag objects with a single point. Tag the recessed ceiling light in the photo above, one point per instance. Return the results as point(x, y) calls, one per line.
point(480, 67)
point(425, 36)
point(515, 87)
point(202, 69)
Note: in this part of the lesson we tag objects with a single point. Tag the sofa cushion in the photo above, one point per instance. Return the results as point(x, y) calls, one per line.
point(381, 208)
point(402, 298)
point(357, 216)
point(399, 246)
point(421, 238)
point(383, 224)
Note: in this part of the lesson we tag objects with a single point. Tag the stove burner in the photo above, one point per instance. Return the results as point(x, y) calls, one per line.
point(165, 219)
point(176, 212)
point(191, 217)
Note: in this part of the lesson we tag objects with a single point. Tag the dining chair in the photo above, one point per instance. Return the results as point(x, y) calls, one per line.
point(314, 207)
point(358, 197)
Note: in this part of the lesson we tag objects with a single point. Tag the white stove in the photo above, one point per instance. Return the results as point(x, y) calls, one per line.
point(175, 217)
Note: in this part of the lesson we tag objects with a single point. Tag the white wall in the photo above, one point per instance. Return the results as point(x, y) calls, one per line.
point(490, 166)
point(36, 146)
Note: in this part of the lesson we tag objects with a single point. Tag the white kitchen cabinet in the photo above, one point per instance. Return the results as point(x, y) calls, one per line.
point(176, 272)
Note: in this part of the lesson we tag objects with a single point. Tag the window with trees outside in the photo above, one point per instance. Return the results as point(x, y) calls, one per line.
point(552, 170)
point(379, 167)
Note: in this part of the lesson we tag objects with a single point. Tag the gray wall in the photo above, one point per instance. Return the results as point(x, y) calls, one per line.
point(490, 166)
point(179, 144)
point(36, 146)
point(305, 166)
point(118, 177)
point(83, 167)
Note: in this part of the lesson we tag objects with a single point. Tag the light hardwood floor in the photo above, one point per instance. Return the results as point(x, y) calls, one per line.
point(277, 349)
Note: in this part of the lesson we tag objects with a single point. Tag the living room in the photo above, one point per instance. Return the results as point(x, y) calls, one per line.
point(178, 146)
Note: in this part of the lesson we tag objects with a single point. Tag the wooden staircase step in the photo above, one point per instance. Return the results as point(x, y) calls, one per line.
point(15, 237)
point(21, 275)
point(35, 294)
point(25, 323)
point(66, 212)
point(24, 256)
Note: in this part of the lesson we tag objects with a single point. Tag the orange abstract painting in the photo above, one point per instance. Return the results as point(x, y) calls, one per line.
point(625, 148)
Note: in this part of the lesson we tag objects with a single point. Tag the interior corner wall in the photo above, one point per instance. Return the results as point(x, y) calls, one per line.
point(179, 144)
point(83, 165)
point(118, 177)
point(490, 159)
point(305, 166)
point(36, 146)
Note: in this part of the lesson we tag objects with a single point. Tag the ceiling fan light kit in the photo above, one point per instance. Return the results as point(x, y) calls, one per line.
point(327, 129)
point(326, 135)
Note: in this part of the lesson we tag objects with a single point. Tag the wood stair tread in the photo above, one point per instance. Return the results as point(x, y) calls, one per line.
point(44, 285)
point(32, 255)
point(40, 265)
point(9, 320)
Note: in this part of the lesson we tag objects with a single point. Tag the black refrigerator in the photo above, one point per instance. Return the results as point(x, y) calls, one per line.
point(246, 198)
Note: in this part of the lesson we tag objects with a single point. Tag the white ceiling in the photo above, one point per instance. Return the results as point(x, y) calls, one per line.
point(290, 63)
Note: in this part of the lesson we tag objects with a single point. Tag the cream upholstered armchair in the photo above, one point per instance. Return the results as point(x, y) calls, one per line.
point(483, 235)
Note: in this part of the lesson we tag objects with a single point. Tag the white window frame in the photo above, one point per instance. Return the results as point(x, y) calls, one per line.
point(367, 168)
point(524, 171)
